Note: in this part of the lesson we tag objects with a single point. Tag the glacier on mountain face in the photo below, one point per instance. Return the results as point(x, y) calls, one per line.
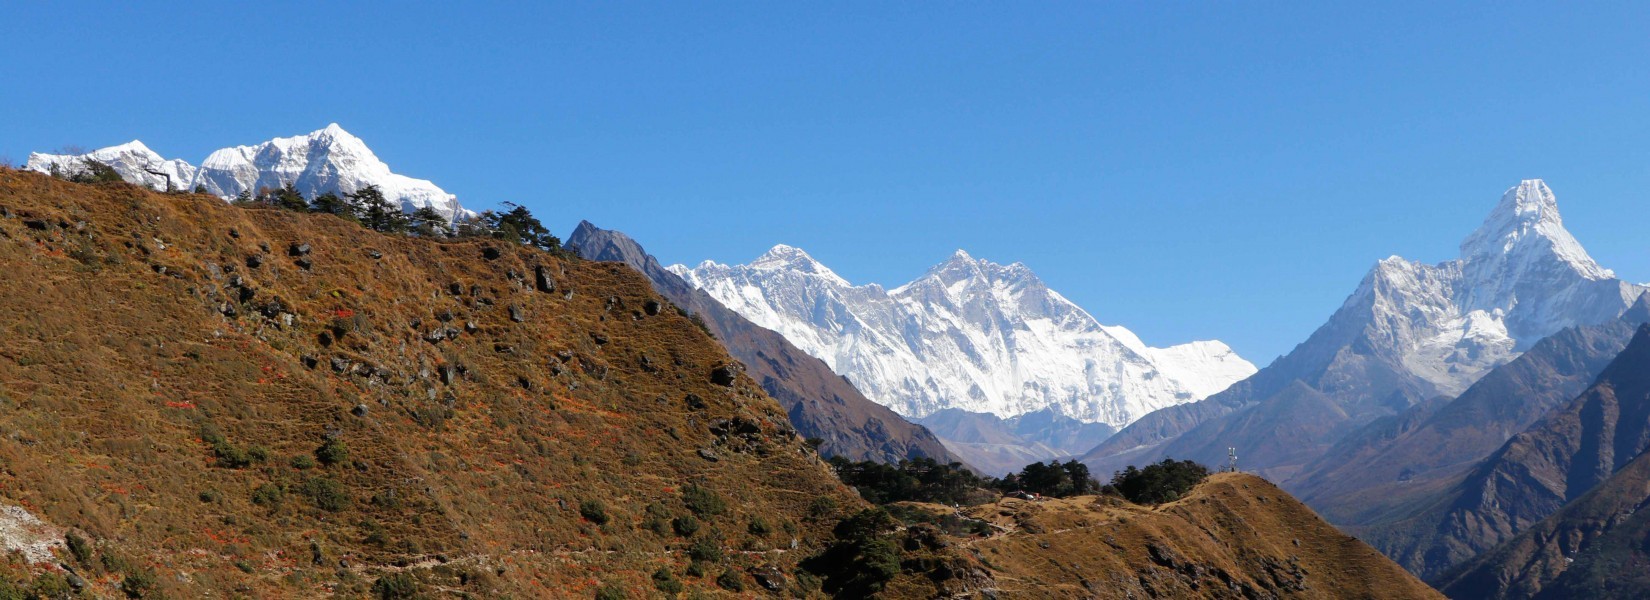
point(327, 160)
point(969, 334)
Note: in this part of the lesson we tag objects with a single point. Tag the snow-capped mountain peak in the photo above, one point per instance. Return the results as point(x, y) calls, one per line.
point(970, 334)
point(1525, 229)
point(326, 160)
point(1521, 277)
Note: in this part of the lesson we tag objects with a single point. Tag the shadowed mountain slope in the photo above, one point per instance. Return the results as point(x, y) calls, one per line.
point(1400, 458)
point(1000, 446)
point(1592, 548)
point(820, 403)
point(1559, 458)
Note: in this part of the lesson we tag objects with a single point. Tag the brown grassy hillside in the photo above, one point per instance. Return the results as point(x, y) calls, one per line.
point(218, 410)
point(1233, 536)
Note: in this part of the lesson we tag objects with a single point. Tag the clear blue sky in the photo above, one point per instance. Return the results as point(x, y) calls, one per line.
point(1189, 170)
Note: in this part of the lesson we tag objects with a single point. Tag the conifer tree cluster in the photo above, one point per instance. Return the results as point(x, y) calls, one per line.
point(369, 207)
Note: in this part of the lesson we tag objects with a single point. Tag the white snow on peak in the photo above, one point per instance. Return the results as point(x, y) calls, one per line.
point(134, 162)
point(326, 160)
point(968, 334)
point(1520, 277)
point(790, 258)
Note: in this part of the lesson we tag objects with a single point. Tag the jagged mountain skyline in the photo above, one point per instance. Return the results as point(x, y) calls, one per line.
point(326, 160)
point(1147, 172)
point(969, 334)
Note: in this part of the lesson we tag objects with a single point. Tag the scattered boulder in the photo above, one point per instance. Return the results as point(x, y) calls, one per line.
point(652, 307)
point(374, 254)
point(515, 313)
point(254, 261)
point(360, 410)
point(490, 253)
point(541, 279)
point(455, 288)
point(708, 454)
point(297, 249)
point(304, 263)
point(769, 577)
point(725, 375)
point(694, 402)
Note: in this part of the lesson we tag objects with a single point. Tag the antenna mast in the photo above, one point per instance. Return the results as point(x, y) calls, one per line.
point(1231, 460)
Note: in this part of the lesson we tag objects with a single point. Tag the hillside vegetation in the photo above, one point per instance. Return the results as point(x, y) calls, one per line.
point(1233, 536)
point(208, 400)
point(226, 401)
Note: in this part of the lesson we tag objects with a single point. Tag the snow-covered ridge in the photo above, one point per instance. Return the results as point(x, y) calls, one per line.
point(968, 334)
point(1520, 277)
point(327, 160)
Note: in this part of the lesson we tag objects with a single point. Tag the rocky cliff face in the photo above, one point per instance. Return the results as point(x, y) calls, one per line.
point(821, 404)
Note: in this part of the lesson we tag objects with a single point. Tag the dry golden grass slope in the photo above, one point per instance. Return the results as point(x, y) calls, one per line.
point(1233, 536)
point(169, 369)
point(206, 401)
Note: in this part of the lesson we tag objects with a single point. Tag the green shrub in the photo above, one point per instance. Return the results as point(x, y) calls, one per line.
point(665, 581)
point(759, 527)
point(916, 480)
point(705, 549)
point(79, 548)
point(696, 569)
point(734, 581)
point(1163, 482)
point(50, 586)
point(611, 591)
point(685, 525)
point(822, 507)
point(594, 511)
point(702, 501)
point(268, 494)
point(332, 452)
point(657, 519)
point(327, 494)
point(862, 559)
point(138, 584)
point(303, 461)
point(397, 586)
